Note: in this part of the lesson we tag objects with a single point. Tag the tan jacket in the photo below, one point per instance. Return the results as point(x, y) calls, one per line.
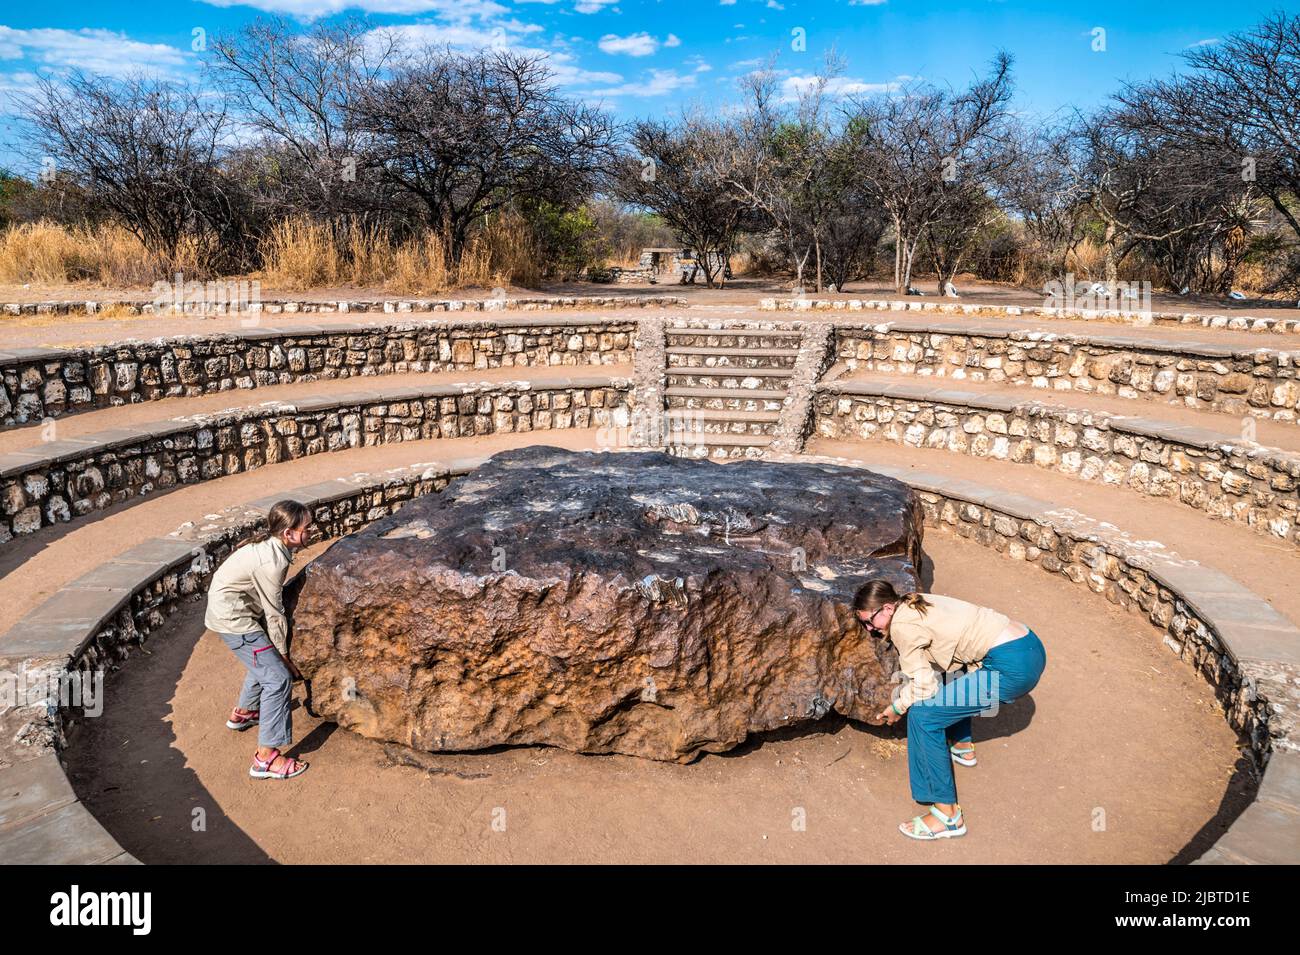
point(248, 586)
point(952, 634)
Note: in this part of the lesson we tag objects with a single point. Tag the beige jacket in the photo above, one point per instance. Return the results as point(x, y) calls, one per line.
point(951, 634)
point(248, 586)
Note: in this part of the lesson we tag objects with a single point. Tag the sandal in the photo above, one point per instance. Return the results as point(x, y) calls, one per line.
point(963, 757)
point(954, 826)
point(261, 768)
point(240, 722)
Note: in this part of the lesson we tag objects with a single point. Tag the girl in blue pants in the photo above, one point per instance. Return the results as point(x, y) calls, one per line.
point(1002, 659)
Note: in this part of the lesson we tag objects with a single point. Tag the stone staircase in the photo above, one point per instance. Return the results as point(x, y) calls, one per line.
point(726, 387)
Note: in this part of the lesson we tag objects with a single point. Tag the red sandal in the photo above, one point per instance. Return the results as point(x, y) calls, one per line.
point(261, 768)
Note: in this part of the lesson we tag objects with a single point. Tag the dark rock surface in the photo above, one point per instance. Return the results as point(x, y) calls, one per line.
point(608, 603)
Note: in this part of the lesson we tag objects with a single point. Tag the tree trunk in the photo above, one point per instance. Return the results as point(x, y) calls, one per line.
point(1112, 267)
point(817, 244)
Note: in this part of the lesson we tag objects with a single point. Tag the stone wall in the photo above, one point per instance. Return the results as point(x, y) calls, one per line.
point(1241, 482)
point(39, 383)
point(345, 306)
point(1131, 316)
point(65, 479)
point(1240, 382)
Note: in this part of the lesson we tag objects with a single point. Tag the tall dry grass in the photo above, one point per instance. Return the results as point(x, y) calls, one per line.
point(50, 254)
point(301, 253)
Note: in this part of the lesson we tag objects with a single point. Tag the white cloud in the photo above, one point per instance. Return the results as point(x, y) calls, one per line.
point(313, 9)
point(593, 6)
point(659, 83)
point(773, 5)
point(509, 36)
point(95, 51)
point(867, 3)
point(726, 3)
point(1210, 42)
point(672, 40)
point(638, 44)
point(792, 86)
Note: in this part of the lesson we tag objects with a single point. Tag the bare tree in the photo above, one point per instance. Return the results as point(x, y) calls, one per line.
point(1175, 200)
point(1047, 191)
point(923, 146)
point(291, 88)
point(148, 152)
point(673, 172)
point(464, 135)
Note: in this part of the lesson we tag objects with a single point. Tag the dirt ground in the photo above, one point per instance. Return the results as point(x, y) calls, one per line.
point(1120, 755)
point(743, 289)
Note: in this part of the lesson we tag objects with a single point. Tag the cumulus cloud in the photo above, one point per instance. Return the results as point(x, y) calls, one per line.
point(510, 35)
point(96, 51)
point(593, 6)
point(658, 83)
point(793, 86)
point(637, 44)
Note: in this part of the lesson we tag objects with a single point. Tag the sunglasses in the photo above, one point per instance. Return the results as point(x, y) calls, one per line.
point(870, 622)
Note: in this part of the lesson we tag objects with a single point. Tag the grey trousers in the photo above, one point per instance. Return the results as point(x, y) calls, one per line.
point(268, 687)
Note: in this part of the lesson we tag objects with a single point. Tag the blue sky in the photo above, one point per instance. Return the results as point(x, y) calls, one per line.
point(657, 57)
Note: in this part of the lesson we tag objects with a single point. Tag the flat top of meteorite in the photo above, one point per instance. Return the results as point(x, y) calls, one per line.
point(548, 513)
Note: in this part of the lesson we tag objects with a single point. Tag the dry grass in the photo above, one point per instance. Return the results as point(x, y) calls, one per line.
point(49, 254)
point(301, 254)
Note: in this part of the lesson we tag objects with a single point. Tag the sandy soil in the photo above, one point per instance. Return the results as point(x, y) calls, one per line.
point(1119, 755)
point(738, 300)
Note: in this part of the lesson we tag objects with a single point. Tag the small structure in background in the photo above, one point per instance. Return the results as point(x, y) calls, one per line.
point(677, 266)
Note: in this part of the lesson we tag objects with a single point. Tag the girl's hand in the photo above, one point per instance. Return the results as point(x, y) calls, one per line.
point(888, 716)
point(293, 670)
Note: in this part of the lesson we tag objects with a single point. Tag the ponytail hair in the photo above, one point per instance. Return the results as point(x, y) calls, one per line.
point(874, 594)
point(284, 515)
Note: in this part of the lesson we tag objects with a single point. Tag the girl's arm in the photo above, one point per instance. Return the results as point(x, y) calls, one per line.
point(268, 579)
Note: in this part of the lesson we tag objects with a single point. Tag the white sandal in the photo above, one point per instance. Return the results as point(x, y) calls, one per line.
point(963, 757)
point(954, 826)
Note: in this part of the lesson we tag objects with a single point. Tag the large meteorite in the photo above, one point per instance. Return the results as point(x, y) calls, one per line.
point(608, 603)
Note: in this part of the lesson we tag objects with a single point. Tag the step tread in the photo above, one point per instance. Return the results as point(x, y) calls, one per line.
point(732, 351)
point(722, 414)
point(729, 370)
point(685, 392)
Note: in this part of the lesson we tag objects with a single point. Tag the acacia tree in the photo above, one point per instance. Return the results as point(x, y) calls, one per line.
point(1176, 201)
point(290, 89)
point(673, 171)
point(923, 147)
point(148, 152)
point(1239, 101)
point(464, 135)
point(1048, 192)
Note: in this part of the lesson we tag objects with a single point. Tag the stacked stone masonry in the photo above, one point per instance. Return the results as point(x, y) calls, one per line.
point(1241, 481)
point(48, 383)
point(61, 480)
point(1131, 316)
point(1260, 383)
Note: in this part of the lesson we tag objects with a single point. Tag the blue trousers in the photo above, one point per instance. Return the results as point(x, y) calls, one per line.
point(1010, 671)
point(268, 686)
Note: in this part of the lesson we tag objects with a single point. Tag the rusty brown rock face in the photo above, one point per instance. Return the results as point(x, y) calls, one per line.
point(608, 603)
